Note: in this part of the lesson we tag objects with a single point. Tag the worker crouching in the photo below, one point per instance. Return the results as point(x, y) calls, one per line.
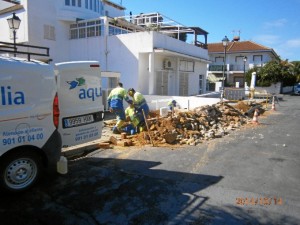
point(140, 105)
point(172, 104)
point(115, 103)
point(131, 117)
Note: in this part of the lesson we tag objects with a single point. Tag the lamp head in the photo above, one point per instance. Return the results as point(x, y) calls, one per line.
point(14, 22)
point(225, 41)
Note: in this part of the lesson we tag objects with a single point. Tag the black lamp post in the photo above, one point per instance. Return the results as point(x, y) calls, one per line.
point(225, 42)
point(245, 60)
point(14, 24)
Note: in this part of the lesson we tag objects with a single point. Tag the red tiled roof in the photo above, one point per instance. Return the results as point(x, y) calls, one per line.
point(237, 46)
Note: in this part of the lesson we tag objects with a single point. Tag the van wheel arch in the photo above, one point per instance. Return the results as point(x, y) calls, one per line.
point(20, 168)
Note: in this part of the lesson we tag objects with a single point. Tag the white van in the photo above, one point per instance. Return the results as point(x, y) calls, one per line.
point(43, 108)
point(80, 101)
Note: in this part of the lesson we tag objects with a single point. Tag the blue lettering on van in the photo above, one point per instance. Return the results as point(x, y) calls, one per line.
point(91, 93)
point(9, 97)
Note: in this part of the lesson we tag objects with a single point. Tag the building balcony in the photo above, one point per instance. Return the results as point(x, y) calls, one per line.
point(228, 67)
point(217, 68)
point(162, 24)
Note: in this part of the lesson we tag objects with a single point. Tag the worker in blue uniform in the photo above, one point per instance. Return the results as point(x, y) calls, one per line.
point(115, 104)
point(140, 104)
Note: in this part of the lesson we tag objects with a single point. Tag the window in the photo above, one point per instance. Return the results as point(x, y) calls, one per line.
point(98, 31)
point(88, 29)
point(67, 2)
point(187, 66)
point(81, 33)
point(73, 3)
point(98, 10)
point(200, 84)
point(74, 34)
point(257, 60)
point(49, 32)
point(79, 3)
point(91, 4)
point(90, 32)
point(86, 4)
point(219, 59)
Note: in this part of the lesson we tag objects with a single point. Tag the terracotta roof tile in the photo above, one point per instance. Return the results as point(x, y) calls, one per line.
point(237, 46)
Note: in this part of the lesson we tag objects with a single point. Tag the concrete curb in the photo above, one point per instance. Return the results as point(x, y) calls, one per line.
point(80, 150)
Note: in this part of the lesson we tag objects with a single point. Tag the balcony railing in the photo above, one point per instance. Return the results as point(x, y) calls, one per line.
point(231, 67)
point(216, 68)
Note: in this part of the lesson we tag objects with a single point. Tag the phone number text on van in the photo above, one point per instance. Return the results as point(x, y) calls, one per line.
point(23, 139)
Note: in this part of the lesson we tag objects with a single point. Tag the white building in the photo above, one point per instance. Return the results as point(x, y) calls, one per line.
point(240, 57)
point(139, 47)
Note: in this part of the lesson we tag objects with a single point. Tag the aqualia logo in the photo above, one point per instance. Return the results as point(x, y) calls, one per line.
point(9, 97)
point(90, 93)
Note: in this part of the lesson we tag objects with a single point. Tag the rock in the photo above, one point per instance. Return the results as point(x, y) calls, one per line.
point(104, 145)
point(153, 127)
point(113, 140)
point(123, 135)
point(146, 136)
point(170, 138)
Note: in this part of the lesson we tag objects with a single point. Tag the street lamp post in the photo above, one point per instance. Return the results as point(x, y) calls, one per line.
point(14, 24)
point(245, 60)
point(225, 42)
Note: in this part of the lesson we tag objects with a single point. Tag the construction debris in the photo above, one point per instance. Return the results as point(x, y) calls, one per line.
point(192, 127)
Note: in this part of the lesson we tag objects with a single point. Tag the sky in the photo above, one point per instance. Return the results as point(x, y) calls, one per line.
point(272, 23)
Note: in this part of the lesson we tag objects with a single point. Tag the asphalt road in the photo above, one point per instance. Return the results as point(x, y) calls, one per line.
point(251, 176)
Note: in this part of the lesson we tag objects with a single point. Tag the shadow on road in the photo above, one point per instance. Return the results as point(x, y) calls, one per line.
point(116, 191)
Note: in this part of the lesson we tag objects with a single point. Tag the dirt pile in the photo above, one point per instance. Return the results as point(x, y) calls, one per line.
point(192, 127)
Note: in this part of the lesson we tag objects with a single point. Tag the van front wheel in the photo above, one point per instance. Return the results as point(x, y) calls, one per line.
point(19, 171)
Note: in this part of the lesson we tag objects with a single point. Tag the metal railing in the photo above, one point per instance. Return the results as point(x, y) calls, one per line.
point(232, 67)
point(22, 49)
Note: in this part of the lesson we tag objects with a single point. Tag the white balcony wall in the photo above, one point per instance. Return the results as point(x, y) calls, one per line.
point(112, 12)
point(172, 44)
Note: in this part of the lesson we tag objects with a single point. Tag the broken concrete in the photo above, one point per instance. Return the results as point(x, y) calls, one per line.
point(192, 127)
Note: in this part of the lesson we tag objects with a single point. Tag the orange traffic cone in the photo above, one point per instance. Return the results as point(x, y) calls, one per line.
point(255, 117)
point(273, 104)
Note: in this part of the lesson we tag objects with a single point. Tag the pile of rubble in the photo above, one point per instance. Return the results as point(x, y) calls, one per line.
point(191, 127)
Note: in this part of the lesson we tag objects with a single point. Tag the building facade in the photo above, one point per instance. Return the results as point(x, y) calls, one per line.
point(240, 57)
point(145, 49)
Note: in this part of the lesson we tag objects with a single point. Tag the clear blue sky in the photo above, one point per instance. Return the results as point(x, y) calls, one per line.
point(272, 23)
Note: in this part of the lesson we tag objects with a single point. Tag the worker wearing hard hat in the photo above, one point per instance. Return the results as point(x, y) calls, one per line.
point(140, 104)
point(115, 104)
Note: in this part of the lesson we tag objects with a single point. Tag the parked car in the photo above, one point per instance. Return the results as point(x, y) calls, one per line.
point(297, 89)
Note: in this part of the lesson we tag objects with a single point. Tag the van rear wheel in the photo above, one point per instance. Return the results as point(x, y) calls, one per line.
point(19, 171)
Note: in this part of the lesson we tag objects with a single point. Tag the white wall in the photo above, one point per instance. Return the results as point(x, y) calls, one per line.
point(113, 12)
point(126, 50)
point(274, 88)
point(155, 102)
point(172, 44)
point(144, 74)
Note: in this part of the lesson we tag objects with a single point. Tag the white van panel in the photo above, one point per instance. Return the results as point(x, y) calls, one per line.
point(25, 117)
point(80, 101)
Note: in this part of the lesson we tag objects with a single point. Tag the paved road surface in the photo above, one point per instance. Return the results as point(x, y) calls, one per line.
point(248, 177)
